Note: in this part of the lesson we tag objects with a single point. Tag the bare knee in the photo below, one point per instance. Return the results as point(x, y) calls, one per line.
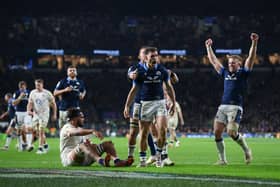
point(232, 134)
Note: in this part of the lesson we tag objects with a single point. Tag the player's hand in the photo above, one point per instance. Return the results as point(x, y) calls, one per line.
point(81, 96)
point(87, 142)
point(133, 75)
point(126, 112)
point(2, 116)
point(68, 89)
point(254, 37)
point(208, 42)
point(68, 134)
point(22, 95)
point(98, 135)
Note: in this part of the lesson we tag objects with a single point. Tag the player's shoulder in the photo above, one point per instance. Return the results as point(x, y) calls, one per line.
point(163, 69)
point(33, 91)
point(47, 91)
point(80, 81)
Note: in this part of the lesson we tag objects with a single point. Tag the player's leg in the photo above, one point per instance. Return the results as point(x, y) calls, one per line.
point(9, 132)
point(219, 126)
point(134, 130)
point(62, 120)
point(28, 132)
point(152, 148)
point(152, 137)
point(220, 144)
point(43, 146)
point(147, 114)
point(19, 126)
point(161, 124)
point(161, 140)
point(143, 136)
point(109, 148)
point(234, 117)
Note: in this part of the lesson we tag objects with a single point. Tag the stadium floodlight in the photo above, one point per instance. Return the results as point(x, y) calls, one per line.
point(51, 51)
point(229, 51)
point(107, 52)
point(174, 52)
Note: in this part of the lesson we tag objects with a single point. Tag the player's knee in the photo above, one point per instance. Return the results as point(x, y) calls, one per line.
point(232, 133)
point(107, 144)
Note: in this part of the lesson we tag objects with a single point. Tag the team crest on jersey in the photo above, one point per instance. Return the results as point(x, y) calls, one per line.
point(231, 77)
point(152, 78)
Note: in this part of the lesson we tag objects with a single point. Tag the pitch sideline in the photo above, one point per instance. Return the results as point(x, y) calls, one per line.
point(39, 173)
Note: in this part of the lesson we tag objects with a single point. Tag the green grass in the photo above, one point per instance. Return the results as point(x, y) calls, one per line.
point(193, 157)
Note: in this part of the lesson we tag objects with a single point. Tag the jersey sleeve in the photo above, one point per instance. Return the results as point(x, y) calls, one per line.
point(15, 95)
point(31, 96)
point(59, 85)
point(82, 86)
point(166, 75)
point(50, 96)
point(222, 72)
point(130, 70)
point(246, 72)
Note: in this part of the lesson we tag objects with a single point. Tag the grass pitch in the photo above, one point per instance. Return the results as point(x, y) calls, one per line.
point(195, 157)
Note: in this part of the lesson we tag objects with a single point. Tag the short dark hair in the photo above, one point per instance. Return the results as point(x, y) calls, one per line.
point(150, 49)
point(22, 83)
point(39, 80)
point(73, 112)
point(9, 94)
point(71, 66)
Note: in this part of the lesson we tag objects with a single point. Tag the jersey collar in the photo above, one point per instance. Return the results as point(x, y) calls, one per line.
point(69, 79)
point(146, 67)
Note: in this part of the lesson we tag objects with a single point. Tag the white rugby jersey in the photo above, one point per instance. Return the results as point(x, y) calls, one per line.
point(67, 143)
point(41, 101)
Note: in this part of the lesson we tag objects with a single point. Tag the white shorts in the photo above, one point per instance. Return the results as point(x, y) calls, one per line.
point(42, 120)
point(151, 109)
point(62, 118)
point(82, 158)
point(172, 122)
point(136, 111)
point(23, 119)
point(229, 114)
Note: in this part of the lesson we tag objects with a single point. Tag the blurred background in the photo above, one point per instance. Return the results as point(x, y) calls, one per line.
point(103, 46)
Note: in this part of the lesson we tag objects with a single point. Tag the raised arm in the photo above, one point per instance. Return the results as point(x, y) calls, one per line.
point(212, 57)
point(130, 97)
point(249, 63)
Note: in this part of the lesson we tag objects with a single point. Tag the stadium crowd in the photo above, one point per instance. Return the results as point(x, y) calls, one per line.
point(90, 30)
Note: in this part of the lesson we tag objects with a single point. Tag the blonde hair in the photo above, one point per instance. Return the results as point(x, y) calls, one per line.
point(239, 58)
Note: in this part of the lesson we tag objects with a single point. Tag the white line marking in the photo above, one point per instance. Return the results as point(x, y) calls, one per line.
point(39, 173)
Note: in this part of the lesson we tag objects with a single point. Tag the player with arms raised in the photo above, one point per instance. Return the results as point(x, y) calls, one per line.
point(230, 111)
